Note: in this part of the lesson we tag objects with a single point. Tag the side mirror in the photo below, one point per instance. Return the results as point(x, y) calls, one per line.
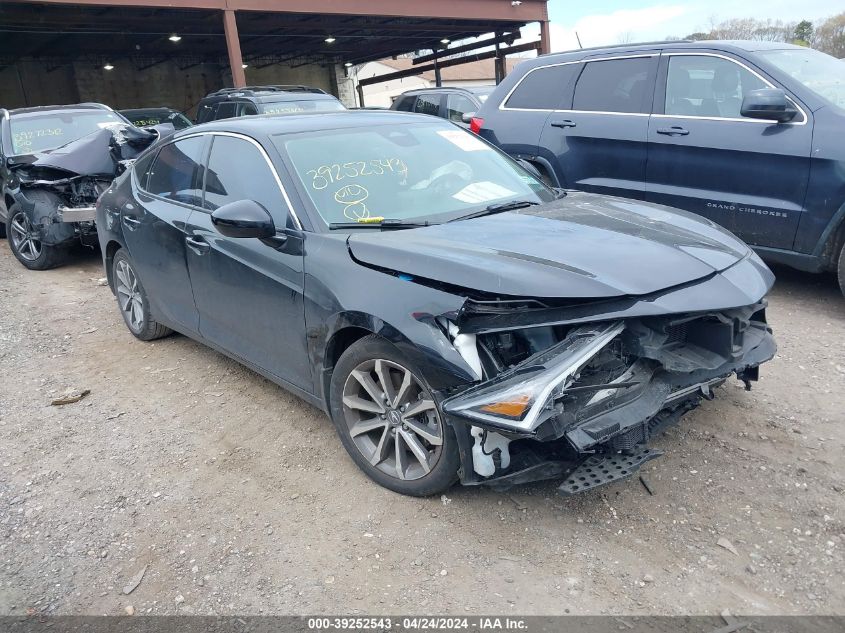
point(770, 104)
point(467, 117)
point(243, 218)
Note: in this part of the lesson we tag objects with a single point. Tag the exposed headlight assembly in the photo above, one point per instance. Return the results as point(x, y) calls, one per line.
point(523, 397)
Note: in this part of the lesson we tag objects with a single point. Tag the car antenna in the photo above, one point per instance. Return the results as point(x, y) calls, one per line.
point(579, 40)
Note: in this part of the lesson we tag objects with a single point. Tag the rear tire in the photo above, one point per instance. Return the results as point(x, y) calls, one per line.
point(841, 270)
point(132, 300)
point(29, 250)
point(397, 436)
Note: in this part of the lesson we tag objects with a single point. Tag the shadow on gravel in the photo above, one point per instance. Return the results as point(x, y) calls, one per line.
point(821, 290)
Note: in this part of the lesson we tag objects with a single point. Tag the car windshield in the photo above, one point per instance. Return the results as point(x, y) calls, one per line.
point(305, 105)
point(37, 133)
point(414, 172)
point(157, 117)
point(821, 73)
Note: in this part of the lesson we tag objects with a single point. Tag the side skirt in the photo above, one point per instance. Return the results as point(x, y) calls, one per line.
point(310, 398)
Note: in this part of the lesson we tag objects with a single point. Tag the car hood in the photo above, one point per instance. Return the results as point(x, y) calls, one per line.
point(582, 246)
point(97, 154)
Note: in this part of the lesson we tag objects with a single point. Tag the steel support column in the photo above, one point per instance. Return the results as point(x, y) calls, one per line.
point(545, 38)
point(233, 45)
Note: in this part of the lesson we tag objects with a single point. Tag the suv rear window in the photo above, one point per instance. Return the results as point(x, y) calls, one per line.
point(615, 85)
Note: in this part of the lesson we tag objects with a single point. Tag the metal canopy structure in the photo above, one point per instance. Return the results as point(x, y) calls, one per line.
point(255, 32)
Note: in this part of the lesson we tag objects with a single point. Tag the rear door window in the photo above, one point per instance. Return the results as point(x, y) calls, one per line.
point(616, 85)
point(225, 110)
point(544, 88)
point(428, 104)
point(176, 173)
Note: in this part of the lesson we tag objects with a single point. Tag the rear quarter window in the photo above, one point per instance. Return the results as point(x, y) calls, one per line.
point(142, 169)
point(404, 104)
point(543, 88)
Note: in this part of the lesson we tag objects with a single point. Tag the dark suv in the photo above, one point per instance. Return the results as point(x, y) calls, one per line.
point(234, 102)
point(748, 134)
point(447, 103)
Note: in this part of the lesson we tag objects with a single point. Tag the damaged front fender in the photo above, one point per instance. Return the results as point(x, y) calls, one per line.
point(42, 209)
point(604, 389)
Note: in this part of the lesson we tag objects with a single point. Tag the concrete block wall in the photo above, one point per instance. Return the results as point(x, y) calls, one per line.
point(31, 82)
point(165, 84)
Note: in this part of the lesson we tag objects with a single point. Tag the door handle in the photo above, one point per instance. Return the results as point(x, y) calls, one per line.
point(563, 123)
point(198, 245)
point(675, 130)
point(130, 222)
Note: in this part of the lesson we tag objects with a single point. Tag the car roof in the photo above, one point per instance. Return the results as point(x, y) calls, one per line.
point(276, 93)
point(66, 107)
point(735, 46)
point(265, 125)
point(150, 109)
point(470, 89)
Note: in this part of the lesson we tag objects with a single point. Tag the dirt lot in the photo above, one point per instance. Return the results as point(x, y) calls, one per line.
point(238, 498)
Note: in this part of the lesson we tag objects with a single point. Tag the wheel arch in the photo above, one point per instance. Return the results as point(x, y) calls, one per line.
point(108, 254)
point(425, 348)
point(835, 242)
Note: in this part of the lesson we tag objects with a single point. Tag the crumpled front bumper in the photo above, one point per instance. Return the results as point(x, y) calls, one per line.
point(57, 225)
point(665, 382)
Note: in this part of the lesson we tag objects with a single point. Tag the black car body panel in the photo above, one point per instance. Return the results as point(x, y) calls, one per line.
point(634, 305)
point(558, 250)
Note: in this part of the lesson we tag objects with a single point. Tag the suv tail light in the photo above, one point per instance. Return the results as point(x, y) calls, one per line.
point(475, 124)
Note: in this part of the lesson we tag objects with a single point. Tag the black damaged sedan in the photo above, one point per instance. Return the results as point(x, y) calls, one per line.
point(457, 319)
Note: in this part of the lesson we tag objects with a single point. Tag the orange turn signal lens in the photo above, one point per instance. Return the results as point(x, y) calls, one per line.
point(512, 408)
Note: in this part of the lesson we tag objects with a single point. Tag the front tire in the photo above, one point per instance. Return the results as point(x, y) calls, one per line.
point(133, 301)
point(389, 422)
point(841, 270)
point(30, 251)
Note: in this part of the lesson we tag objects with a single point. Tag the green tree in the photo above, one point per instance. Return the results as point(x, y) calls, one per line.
point(803, 33)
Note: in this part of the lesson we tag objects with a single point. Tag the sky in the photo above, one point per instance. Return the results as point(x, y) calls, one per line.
point(602, 22)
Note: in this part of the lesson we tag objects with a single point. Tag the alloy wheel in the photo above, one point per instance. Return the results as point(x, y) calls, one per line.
point(392, 419)
point(25, 243)
point(129, 295)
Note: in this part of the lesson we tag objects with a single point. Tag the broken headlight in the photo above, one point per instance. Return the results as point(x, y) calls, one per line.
point(523, 397)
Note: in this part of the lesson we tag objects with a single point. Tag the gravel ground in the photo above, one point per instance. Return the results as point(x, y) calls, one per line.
point(215, 492)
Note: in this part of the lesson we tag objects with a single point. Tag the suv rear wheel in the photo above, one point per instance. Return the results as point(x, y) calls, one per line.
point(841, 269)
